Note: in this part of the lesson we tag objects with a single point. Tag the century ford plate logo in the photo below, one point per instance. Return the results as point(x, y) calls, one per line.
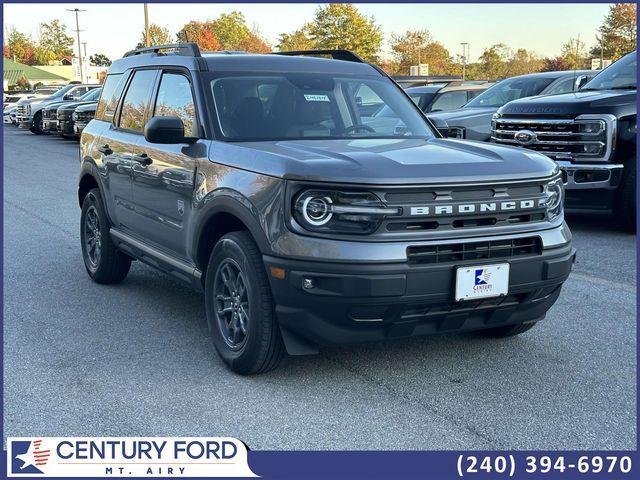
point(479, 207)
point(525, 137)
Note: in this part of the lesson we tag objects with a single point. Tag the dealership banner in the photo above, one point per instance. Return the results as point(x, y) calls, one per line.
point(127, 457)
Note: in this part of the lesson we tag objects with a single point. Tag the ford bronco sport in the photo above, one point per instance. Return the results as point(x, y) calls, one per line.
point(257, 179)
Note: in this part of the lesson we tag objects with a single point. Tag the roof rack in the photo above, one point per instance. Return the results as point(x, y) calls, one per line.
point(346, 55)
point(187, 49)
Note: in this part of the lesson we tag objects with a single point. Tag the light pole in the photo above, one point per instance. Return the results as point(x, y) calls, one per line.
point(147, 40)
point(76, 11)
point(465, 53)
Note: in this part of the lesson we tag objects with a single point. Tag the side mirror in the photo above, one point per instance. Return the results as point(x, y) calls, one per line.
point(581, 81)
point(441, 125)
point(166, 130)
point(68, 96)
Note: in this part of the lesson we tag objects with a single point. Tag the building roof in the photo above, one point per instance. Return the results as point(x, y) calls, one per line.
point(13, 71)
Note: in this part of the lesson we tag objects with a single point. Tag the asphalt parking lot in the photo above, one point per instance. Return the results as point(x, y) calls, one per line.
point(82, 359)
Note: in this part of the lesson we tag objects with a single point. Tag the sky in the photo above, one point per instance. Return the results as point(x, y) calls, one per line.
point(113, 29)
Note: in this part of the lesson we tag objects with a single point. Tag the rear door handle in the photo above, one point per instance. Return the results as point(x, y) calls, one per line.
point(143, 158)
point(105, 149)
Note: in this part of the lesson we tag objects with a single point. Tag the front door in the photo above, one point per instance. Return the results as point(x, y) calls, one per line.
point(163, 185)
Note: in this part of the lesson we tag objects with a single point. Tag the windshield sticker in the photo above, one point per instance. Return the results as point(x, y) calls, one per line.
point(316, 98)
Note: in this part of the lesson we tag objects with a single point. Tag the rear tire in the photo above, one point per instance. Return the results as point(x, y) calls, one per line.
point(104, 263)
point(507, 330)
point(239, 306)
point(625, 202)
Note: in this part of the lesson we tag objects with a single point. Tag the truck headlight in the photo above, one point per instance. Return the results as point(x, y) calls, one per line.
point(554, 191)
point(74, 116)
point(331, 211)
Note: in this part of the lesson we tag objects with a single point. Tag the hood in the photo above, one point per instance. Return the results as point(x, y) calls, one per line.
point(595, 101)
point(453, 117)
point(385, 161)
point(54, 105)
point(87, 107)
point(72, 105)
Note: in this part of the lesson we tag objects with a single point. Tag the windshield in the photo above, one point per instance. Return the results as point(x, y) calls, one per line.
point(64, 90)
point(91, 95)
point(314, 106)
point(510, 89)
point(619, 76)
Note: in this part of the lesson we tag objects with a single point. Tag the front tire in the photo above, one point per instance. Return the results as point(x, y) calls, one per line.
point(625, 202)
point(37, 127)
point(104, 263)
point(239, 306)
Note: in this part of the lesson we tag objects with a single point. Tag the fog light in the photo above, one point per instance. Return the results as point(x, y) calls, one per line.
point(307, 283)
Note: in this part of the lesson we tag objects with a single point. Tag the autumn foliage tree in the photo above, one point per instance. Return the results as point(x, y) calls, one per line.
point(617, 35)
point(157, 36)
point(227, 32)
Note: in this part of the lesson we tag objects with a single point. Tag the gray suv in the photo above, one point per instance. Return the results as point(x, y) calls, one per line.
point(259, 180)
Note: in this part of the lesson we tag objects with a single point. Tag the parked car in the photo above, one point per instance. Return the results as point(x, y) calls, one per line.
point(591, 134)
point(254, 178)
point(446, 96)
point(30, 110)
point(9, 116)
point(473, 121)
point(82, 116)
point(66, 110)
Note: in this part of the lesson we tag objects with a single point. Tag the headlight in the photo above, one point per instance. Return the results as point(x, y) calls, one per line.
point(74, 116)
point(328, 211)
point(555, 197)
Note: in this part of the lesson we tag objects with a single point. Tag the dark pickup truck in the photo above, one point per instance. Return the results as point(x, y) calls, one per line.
point(590, 133)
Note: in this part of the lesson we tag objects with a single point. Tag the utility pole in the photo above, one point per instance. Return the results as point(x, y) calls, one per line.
point(465, 53)
point(147, 40)
point(601, 55)
point(76, 11)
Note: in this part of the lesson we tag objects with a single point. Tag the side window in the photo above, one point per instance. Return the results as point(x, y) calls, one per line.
point(450, 101)
point(111, 92)
point(136, 99)
point(368, 101)
point(564, 86)
point(175, 99)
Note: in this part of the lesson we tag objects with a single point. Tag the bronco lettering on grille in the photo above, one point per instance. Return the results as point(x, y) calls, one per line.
point(478, 207)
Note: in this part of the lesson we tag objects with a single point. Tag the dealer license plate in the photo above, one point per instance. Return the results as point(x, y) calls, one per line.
point(482, 281)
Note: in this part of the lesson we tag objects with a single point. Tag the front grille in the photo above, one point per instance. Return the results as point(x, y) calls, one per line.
point(418, 207)
point(558, 138)
point(22, 109)
point(84, 116)
point(64, 115)
point(460, 252)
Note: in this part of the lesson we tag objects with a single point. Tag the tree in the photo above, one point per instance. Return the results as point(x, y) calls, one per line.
point(298, 40)
point(493, 63)
point(157, 36)
point(410, 48)
point(554, 64)
point(523, 62)
point(227, 32)
point(55, 40)
point(617, 34)
point(574, 54)
point(23, 83)
point(19, 47)
point(342, 26)
point(100, 60)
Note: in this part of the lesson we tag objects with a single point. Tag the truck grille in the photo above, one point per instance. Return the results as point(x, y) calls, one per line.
point(64, 115)
point(587, 137)
point(51, 114)
point(460, 252)
point(22, 110)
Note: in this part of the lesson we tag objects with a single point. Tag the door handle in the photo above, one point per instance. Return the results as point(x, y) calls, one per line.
point(143, 158)
point(105, 149)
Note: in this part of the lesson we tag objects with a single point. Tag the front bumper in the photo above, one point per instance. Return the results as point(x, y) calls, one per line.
point(50, 125)
point(25, 121)
point(66, 128)
point(374, 301)
point(585, 176)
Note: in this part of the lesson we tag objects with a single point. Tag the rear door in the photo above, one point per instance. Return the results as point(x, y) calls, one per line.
point(119, 145)
point(163, 185)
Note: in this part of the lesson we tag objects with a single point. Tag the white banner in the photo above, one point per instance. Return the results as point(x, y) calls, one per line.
point(127, 457)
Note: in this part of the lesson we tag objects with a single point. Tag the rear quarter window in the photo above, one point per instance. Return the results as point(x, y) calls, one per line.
point(111, 91)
